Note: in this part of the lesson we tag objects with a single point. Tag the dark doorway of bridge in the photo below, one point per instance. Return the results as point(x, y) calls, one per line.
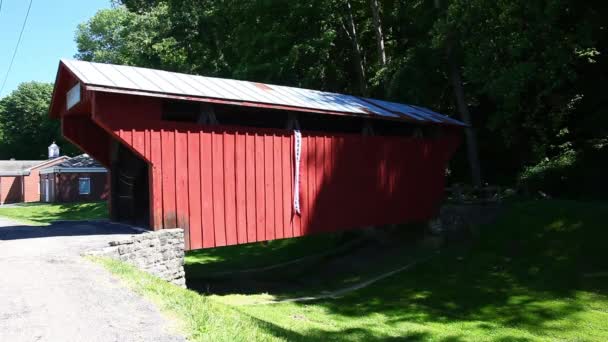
point(130, 188)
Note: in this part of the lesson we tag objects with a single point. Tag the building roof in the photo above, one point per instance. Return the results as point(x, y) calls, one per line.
point(22, 167)
point(83, 160)
point(17, 167)
point(80, 163)
point(159, 83)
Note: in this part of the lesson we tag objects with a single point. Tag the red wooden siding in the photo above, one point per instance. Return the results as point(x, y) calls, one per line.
point(228, 185)
point(11, 189)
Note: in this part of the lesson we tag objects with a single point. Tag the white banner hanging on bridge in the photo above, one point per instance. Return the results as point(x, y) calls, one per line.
point(298, 151)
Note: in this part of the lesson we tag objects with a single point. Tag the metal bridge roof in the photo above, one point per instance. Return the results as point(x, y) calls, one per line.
point(151, 82)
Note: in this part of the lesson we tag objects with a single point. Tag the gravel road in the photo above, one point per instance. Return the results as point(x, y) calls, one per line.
point(49, 293)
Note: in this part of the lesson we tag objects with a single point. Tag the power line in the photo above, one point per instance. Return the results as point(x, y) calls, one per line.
point(8, 71)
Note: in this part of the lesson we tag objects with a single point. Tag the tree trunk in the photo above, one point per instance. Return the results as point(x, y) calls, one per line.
point(463, 109)
point(351, 32)
point(471, 139)
point(378, 30)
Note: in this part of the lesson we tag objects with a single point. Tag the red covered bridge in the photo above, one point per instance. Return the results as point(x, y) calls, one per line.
point(219, 157)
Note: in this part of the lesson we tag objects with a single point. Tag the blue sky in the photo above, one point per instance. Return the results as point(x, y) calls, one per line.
point(48, 36)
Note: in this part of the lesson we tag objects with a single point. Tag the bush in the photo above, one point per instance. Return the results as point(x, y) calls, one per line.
point(573, 174)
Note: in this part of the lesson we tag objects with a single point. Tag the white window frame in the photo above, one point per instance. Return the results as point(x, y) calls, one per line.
point(88, 180)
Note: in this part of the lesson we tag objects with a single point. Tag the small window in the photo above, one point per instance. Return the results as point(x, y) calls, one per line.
point(84, 185)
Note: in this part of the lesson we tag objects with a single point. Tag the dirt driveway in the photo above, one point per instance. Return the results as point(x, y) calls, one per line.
point(49, 293)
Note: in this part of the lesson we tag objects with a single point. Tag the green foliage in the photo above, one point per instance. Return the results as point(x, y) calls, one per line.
point(105, 38)
point(530, 69)
point(25, 126)
point(121, 37)
point(530, 86)
point(549, 174)
point(569, 173)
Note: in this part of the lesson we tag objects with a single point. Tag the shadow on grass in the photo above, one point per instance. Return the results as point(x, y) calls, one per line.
point(525, 272)
point(75, 228)
point(322, 262)
point(204, 262)
point(350, 334)
point(535, 274)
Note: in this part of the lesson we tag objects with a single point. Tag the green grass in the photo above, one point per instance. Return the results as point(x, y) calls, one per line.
point(201, 318)
point(45, 214)
point(539, 274)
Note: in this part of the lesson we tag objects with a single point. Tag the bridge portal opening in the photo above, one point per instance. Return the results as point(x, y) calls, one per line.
point(130, 187)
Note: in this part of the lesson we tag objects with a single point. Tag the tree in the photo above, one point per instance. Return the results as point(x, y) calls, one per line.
point(351, 30)
point(451, 43)
point(25, 126)
point(121, 37)
point(378, 30)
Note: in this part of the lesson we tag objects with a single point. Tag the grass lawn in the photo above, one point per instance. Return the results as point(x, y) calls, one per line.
point(45, 213)
point(539, 274)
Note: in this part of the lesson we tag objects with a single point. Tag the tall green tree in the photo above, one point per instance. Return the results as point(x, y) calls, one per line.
point(25, 126)
point(121, 37)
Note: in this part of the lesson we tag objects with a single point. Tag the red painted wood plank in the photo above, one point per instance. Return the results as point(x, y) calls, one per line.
point(194, 190)
point(230, 189)
point(241, 190)
point(317, 167)
point(350, 192)
point(181, 184)
point(308, 153)
point(278, 187)
point(250, 184)
point(207, 190)
point(287, 179)
point(269, 186)
point(260, 198)
point(339, 181)
point(168, 164)
point(219, 218)
point(364, 195)
point(138, 141)
point(156, 176)
point(329, 199)
point(147, 143)
point(312, 185)
point(321, 204)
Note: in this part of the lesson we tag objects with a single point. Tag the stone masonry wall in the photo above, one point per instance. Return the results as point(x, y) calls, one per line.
point(160, 253)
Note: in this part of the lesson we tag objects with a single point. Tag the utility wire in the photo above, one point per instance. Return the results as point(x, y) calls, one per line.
point(8, 71)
